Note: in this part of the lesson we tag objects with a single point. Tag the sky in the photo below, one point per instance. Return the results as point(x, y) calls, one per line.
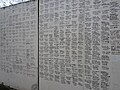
point(4, 3)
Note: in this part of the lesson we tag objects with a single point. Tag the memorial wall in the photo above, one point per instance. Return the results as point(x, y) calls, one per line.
point(18, 46)
point(79, 42)
point(79, 45)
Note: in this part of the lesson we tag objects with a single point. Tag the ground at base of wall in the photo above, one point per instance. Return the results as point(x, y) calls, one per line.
point(4, 87)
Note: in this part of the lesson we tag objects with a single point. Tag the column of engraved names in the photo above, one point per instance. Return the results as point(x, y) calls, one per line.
point(114, 41)
point(81, 41)
point(45, 50)
point(96, 44)
point(88, 45)
point(74, 41)
point(62, 43)
point(57, 42)
point(3, 41)
point(105, 47)
point(114, 27)
point(68, 18)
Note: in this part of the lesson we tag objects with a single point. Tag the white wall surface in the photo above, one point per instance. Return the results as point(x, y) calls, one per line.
point(79, 44)
point(18, 46)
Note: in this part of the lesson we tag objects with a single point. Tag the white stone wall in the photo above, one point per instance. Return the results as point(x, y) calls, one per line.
point(18, 46)
point(79, 44)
